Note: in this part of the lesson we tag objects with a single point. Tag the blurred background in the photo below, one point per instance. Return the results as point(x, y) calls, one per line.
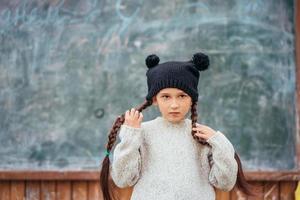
point(69, 68)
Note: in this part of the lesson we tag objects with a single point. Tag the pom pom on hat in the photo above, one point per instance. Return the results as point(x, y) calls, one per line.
point(201, 61)
point(152, 60)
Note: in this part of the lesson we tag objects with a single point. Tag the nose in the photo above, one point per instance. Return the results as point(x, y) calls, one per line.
point(174, 104)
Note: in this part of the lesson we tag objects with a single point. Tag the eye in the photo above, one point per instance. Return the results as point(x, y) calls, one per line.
point(165, 96)
point(183, 95)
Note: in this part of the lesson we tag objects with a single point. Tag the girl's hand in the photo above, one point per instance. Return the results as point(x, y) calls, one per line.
point(203, 131)
point(133, 118)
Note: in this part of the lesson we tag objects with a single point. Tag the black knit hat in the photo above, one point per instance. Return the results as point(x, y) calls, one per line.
point(175, 74)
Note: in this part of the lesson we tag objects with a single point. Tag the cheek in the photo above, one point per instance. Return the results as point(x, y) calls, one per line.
point(187, 108)
point(188, 105)
point(162, 105)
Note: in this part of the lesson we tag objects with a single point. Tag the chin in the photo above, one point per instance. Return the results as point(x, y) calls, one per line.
point(175, 120)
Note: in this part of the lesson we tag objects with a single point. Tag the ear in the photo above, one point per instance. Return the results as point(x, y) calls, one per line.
point(154, 101)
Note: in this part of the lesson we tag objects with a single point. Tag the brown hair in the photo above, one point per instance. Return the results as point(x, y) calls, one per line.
point(105, 180)
point(241, 182)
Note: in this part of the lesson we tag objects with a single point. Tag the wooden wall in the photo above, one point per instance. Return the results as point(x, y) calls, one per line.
point(84, 185)
point(89, 190)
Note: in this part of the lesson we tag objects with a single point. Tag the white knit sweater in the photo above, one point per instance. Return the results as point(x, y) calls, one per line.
point(163, 162)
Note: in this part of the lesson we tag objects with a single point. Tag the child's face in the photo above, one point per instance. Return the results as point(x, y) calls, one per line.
point(171, 100)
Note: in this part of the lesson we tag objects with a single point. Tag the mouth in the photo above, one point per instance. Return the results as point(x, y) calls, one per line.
point(174, 113)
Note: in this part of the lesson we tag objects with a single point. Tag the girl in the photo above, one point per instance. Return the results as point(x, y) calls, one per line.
point(170, 157)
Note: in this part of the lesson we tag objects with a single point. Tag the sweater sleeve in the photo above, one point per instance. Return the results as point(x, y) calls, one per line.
point(126, 165)
point(223, 173)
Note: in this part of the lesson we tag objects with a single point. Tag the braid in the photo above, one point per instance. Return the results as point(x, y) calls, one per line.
point(194, 116)
point(112, 137)
point(241, 182)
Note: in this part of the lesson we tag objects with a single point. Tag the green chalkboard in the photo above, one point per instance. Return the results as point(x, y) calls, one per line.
point(69, 68)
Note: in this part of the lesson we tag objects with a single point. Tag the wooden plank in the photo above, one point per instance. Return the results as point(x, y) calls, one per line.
point(33, 190)
point(287, 190)
point(221, 195)
point(17, 190)
point(5, 190)
point(271, 191)
point(49, 175)
point(235, 194)
point(258, 188)
point(79, 190)
point(89, 175)
point(48, 190)
point(63, 190)
point(273, 176)
point(82, 190)
point(94, 191)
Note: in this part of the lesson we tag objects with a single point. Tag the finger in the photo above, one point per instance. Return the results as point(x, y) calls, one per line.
point(196, 129)
point(200, 133)
point(140, 117)
point(198, 125)
point(132, 111)
point(136, 114)
point(200, 128)
point(126, 114)
point(203, 136)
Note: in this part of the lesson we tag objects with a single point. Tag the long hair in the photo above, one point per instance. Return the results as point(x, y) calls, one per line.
point(241, 182)
point(106, 185)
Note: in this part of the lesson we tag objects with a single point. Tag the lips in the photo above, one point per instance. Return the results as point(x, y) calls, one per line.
point(174, 112)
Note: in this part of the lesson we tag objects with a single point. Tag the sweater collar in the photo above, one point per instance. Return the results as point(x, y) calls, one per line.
point(169, 124)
